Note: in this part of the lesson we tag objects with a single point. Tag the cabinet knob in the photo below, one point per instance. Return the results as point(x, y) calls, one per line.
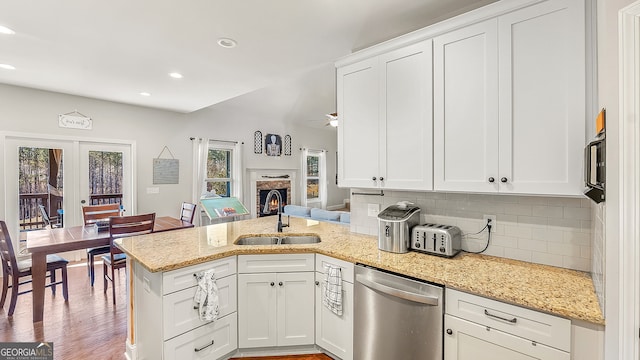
point(280, 283)
point(374, 178)
point(504, 180)
point(381, 178)
point(449, 331)
point(273, 284)
point(491, 179)
point(317, 283)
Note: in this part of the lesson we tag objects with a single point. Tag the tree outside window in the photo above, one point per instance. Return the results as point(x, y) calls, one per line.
point(219, 171)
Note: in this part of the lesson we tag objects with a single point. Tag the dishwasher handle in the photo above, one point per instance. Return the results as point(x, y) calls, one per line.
point(407, 295)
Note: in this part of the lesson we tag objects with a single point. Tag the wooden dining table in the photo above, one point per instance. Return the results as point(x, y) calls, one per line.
point(41, 243)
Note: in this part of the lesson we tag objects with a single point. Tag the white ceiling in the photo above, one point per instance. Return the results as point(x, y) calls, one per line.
point(113, 50)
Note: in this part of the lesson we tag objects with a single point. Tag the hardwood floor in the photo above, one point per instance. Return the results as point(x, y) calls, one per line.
point(88, 326)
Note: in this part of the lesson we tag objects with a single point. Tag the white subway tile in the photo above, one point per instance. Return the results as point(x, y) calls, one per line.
point(532, 220)
point(577, 213)
point(566, 250)
point(518, 231)
point(565, 223)
point(533, 245)
point(577, 238)
point(546, 234)
point(518, 254)
point(560, 201)
point(494, 251)
point(547, 259)
point(585, 252)
point(457, 196)
point(532, 200)
point(504, 241)
point(577, 263)
point(507, 218)
point(517, 209)
point(586, 203)
point(547, 211)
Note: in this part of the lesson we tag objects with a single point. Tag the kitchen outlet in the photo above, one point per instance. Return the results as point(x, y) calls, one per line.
point(153, 190)
point(493, 221)
point(373, 209)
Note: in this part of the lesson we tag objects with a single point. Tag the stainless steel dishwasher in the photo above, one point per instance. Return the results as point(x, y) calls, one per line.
point(396, 317)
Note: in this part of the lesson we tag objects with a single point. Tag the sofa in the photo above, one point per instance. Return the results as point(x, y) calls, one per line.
point(337, 217)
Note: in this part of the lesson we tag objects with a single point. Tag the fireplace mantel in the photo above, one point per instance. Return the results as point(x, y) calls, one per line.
point(261, 175)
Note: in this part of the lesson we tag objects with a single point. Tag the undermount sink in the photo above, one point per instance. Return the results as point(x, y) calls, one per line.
point(278, 240)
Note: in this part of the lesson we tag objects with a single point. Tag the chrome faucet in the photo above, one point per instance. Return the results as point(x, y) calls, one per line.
point(267, 210)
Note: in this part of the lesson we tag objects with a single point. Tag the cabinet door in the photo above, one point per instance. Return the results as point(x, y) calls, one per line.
point(295, 308)
point(211, 341)
point(466, 109)
point(358, 127)
point(256, 310)
point(405, 108)
point(335, 333)
point(542, 98)
point(470, 341)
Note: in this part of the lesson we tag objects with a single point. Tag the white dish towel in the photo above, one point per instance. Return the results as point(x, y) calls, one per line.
point(332, 289)
point(206, 297)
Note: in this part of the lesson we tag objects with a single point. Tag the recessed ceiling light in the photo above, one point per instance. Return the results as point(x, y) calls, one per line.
point(176, 75)
point(7, 67)
point(227, 43)
point(5, 30)
point(144, 93)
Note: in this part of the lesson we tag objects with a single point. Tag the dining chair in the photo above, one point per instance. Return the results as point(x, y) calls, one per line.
point(92, 214)
point(45, 218)
point(16, 269)
point(187, 212)
point(119, 227)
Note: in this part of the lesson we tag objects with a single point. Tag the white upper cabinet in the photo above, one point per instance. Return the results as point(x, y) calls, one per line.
point(506, 85)
point(466, 109)
point(509, 103)
point(358, 129)
point(385, 130)
point(542, 98)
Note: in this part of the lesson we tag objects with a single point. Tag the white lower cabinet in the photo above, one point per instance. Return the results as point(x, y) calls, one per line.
point(167, 325)
point(482, 329)
point(210, 341)
point(470, 341)
point(275, 305)
point(334, 333)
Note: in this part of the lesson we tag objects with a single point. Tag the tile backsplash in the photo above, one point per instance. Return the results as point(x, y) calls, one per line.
point(547, 230)
point(598, 250)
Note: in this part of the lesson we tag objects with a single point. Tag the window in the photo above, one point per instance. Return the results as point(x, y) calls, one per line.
point(314, 191)
point(219, 178)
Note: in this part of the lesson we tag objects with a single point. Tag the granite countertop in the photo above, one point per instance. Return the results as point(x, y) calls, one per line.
point(553, 290)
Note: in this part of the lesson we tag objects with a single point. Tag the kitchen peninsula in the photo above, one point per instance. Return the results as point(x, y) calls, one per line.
point(561, 292)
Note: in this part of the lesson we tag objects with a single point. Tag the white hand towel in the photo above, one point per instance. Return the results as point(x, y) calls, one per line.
point(206, 297)
point(332, 289)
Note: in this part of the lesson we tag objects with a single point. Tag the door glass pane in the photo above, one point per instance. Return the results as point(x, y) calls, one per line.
point(105, 177)
point(40, 182)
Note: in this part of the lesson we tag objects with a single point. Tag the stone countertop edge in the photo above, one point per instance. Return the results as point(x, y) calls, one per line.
point(557, 291)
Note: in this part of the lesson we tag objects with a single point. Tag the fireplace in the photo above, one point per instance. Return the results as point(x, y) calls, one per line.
point(273, 202)
point(262, 189)
point(261, 181)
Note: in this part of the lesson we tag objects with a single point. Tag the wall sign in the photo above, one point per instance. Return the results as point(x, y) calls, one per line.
point(75, 120)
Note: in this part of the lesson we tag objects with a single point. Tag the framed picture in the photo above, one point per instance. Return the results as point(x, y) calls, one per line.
point(273, 145)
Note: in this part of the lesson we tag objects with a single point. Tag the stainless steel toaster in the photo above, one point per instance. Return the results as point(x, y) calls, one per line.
point(443, 240)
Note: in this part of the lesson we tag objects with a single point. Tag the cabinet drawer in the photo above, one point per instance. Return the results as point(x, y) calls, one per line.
point(345, 266)
point(270, 263)
point(529, 324)
point(179, 314)
point(466, 340)
point(183, 278)
point(212, 340)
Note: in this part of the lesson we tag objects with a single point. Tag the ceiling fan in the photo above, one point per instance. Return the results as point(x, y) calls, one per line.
point(333, 119)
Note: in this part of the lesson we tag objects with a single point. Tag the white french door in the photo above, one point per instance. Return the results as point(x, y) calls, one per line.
point(75, 179)
point(89, 184)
